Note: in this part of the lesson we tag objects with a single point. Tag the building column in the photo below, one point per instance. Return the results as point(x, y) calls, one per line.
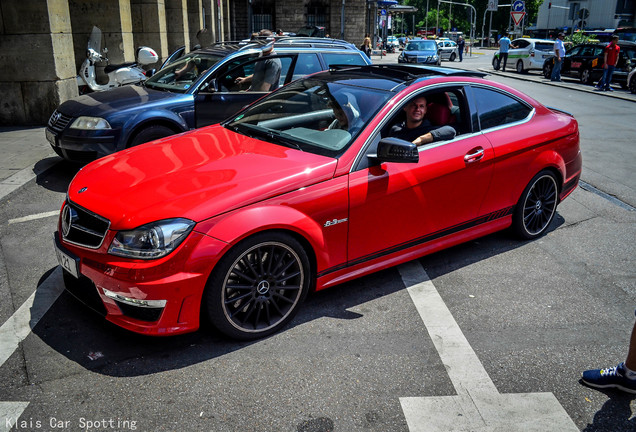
point(38, 66)
point(149, 25)
point(177, 29)
point(195, 19)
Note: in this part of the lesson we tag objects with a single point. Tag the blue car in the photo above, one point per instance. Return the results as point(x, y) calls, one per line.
point(423, 51)
point(196, 90)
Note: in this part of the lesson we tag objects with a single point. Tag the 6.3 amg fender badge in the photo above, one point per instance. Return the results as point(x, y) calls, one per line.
point(334, 222)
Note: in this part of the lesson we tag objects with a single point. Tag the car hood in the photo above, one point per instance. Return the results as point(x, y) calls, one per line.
point(196, 175)
point(116, 100)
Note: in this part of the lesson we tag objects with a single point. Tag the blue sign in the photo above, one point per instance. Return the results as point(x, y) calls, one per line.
point(518, 6)
point(383, 12)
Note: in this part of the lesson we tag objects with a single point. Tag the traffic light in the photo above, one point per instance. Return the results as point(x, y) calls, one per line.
point(550, 5)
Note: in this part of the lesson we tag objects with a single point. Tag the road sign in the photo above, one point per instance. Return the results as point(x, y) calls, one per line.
point(518, 6)
point(493, 5)
point(517, 17)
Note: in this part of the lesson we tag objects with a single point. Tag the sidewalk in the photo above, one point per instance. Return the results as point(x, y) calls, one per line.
point(25, 154)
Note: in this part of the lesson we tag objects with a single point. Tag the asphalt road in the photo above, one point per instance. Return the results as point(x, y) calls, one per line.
point(526, 318)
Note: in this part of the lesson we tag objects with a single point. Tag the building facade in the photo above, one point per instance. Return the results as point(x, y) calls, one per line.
point(43, 42)
point(586, 14)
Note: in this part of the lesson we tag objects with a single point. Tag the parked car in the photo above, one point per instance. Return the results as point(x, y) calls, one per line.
point(393, 42)
point(529, 54)
point(422, 51)
point(448, 49)
point(239, 221)
point(631, 80)
point(91, 126)
point(586, 62)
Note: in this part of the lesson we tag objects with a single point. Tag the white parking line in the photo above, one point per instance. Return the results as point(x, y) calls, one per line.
point(478, 405)
point(34, 217)
point(18, 327)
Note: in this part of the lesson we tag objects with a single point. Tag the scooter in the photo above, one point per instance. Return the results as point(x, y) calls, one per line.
point(118, 75)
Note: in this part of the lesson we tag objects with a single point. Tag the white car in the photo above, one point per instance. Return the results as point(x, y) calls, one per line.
point(447, 49)
point(528, 54)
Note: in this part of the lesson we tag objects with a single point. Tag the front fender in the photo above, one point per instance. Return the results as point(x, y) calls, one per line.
point(242, 223)
point(177, 118)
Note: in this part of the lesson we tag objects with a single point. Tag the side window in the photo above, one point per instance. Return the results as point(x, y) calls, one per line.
point(354, 58)
point(227, 76)
point(598, 51)
point(305, 65)
point(574, 51)
point(497, 109)
point(520, 43)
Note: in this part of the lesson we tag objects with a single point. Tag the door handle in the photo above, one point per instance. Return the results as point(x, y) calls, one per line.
point(474, 155)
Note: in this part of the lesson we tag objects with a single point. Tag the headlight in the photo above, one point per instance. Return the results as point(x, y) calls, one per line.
point(153, 240)
point(90, 123)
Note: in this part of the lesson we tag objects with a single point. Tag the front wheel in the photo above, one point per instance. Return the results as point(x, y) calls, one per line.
point(452, 57)
point(258, 286)
point(151, 133)
point(536, 207)
point(632, 84)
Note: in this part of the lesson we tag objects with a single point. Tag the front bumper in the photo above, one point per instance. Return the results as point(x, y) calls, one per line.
point(83, 146)
point(155, 297)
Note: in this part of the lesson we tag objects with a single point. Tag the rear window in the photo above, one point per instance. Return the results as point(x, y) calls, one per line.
point(354, 58)
point(544, 46)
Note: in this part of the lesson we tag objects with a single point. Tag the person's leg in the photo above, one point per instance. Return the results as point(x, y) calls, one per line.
point(622, 377)
point(504, 57)
point(556, 71)
point(608, 80)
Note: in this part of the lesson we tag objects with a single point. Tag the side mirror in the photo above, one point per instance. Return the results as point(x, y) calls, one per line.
point(397, 150)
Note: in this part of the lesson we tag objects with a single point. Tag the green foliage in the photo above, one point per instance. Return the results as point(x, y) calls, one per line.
point(578, 38)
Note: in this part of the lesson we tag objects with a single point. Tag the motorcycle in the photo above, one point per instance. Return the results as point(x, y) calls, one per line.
point(118, 74)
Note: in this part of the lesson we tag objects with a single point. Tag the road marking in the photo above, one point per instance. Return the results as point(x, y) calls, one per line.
point(34, 217)
point(18, 327)
point(478, 405)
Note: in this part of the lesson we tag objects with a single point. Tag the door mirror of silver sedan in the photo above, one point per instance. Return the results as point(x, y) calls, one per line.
point(397, 150)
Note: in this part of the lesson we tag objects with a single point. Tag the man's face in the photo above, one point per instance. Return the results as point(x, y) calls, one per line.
point(416, 109)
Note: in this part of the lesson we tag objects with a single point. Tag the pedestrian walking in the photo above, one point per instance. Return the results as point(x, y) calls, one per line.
point(504, 46)
point(366, 47)
point(460, 47)
point(559, 53)
point(610, 60)
point(621, 377)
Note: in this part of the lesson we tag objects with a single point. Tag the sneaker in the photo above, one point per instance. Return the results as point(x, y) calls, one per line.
point(609, 89)
point(613, 377)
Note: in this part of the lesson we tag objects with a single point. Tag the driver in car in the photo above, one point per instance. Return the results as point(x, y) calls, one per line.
point(417, 129)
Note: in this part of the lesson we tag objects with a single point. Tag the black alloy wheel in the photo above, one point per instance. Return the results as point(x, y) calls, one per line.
point(547, 70)
point(586, 76)
point(536, 208)
point(258, 286)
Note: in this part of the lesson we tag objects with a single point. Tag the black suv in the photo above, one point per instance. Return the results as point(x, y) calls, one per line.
point(585, 62)
point(98, 124)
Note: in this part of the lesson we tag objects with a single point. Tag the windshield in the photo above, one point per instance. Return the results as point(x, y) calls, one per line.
point(312, 115)
point(424, 45)
point(179, 76)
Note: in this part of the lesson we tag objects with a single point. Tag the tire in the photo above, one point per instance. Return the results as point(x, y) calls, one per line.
point(150, 133)
point(519, 66)
point(452, 57)
point(258, 286)
point(586, 76)
point(632, 84)
point(495, 63)
point(536, 207)
point(547, 70)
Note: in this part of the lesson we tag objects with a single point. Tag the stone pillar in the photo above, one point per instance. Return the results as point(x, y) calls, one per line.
point(195, 19)
point(149, 26)
point(178, 33)
point(38, 66)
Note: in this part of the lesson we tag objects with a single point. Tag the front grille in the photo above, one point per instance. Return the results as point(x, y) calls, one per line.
point(58, 121)
point(83, 228)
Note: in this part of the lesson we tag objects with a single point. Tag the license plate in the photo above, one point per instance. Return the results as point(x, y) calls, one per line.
point(50, 136)
point(67, 262)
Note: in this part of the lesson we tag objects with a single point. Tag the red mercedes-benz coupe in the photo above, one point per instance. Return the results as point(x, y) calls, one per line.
point(305, 189)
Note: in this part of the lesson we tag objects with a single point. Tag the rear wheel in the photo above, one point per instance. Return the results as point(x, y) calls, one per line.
point(536, 207)
point(151, 133)
point(258, 286)
point(632, 84)
point(520, 68)
point(453, 57)
point(547, 70)
point(495, 63)
point(586, 76)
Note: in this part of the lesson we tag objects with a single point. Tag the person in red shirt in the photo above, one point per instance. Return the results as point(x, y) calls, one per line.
point(610, 56)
